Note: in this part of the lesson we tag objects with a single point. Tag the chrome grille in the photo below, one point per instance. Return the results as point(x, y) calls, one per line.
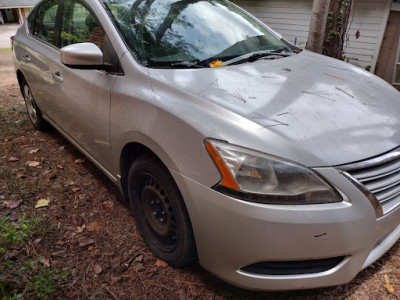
point(381, 177)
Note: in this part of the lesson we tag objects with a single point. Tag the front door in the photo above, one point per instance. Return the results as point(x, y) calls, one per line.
point(80, 99)
point(388, 65)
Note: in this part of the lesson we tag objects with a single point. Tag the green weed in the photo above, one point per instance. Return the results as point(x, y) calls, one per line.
point(12, 233)
point(43, 280)
point(28, 279)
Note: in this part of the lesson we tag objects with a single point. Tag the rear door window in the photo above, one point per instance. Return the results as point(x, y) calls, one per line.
point(45, 21)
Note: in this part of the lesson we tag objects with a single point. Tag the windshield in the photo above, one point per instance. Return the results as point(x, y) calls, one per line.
point(164, 32)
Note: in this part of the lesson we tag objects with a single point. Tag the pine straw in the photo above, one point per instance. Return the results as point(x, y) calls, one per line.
point(111, 261)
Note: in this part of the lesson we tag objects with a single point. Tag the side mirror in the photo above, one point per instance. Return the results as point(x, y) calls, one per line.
point(82, 56)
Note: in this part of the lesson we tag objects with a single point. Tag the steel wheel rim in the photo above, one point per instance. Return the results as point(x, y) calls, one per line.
point(159, 213)
point(30, 104)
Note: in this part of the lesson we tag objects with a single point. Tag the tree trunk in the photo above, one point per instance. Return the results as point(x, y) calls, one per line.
point(319, 16)
point(336, 28)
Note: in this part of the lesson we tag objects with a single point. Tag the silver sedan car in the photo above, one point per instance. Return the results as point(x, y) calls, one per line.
point(275, 168)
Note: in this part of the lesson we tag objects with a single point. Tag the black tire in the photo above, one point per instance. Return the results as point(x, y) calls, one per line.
point(160, 212)
point(34, 113)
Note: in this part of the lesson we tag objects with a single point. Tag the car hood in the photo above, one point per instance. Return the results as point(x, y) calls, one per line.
point(337, 112)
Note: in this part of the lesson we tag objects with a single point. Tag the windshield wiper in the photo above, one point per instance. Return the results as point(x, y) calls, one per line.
point(175, 65)
point(186, 64)
point(253, 56)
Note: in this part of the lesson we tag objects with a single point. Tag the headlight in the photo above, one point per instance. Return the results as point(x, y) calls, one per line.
point(258, 177)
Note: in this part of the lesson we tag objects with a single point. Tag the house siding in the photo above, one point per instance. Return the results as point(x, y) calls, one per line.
point(292, 19)
point(369, 19)
point(289, 18)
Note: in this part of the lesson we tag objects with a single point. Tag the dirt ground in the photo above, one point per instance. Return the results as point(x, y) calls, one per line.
point(91, 235)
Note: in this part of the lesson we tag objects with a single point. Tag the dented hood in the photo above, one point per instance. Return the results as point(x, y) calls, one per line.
point(335, 111)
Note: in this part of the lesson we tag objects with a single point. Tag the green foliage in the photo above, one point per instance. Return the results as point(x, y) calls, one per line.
point(12, 233)
point(24, 279)
point(13, 297)
point(69, 38)
point(42, 279)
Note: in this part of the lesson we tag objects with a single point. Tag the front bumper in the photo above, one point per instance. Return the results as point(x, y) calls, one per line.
point(231, 234)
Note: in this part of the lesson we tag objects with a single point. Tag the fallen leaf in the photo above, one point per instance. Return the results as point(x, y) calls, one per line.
point(42, 203)
point(386, 277)
point(389, 288)
point(32, 163)
point(71, 294)
point(34, 151)
point(385, 271)
point(97, 269)
point(85, 242)
point(116, 262)
point(139, 258)
point(61, 148)
point(161, 264)
point(80, 229)
point(21, 176)
point(45, 262)
point(60, 167)
point(12, 203)
point(108, 204)
point(12, 254)
point(13, 159)
point(138, 267)
point(216, 64)
point(79, 161)
point(95, 226)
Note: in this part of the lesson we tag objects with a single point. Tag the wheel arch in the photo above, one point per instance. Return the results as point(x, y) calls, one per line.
point(132, 151)
point(20, 78)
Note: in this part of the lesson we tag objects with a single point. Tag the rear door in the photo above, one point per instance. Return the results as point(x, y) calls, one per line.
point(33, 45)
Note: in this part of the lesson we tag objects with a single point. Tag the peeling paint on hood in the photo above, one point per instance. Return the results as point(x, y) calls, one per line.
point(332, 109)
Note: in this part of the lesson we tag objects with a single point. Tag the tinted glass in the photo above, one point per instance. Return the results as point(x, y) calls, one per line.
point(160, 31)
point(78, 25)
point(45, 21)
point(31, 21)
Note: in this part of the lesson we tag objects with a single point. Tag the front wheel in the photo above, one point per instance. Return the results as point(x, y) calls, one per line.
point(160, 212)
point(34, 112)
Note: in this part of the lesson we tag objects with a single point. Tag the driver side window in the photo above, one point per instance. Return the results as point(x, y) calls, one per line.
point(78, 25)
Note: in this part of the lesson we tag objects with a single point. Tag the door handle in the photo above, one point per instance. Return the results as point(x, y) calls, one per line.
point(26, 58)
point(57, 76)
